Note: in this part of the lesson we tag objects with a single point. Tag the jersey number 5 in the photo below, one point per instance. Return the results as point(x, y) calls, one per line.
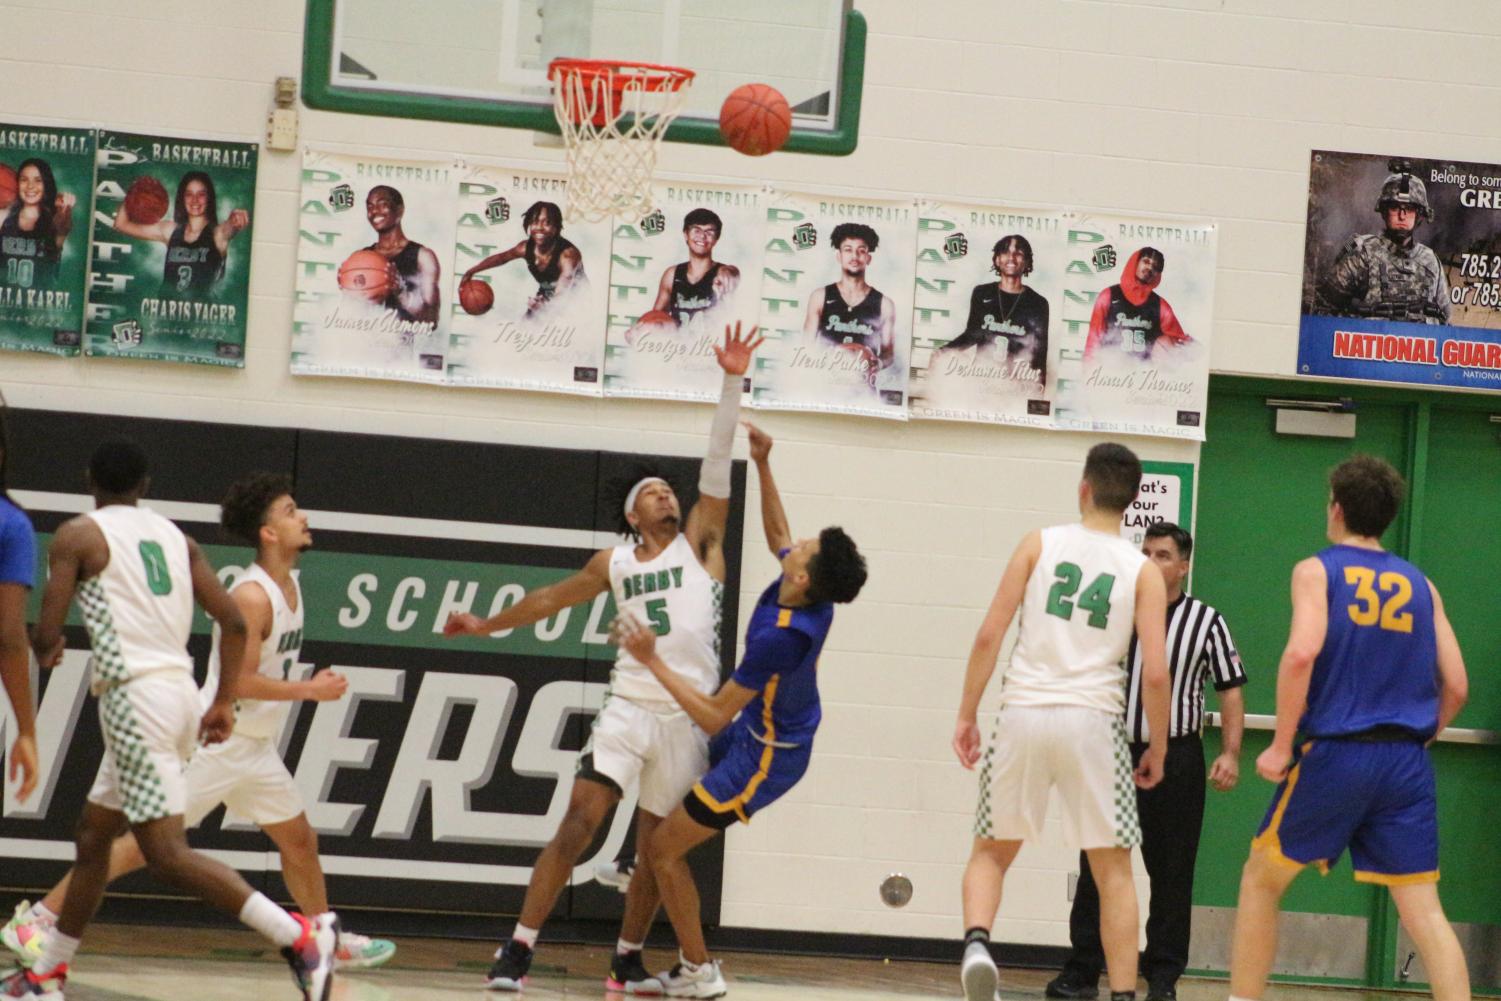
point(157, 576)
point(1371, 609)
point(1095, 600)
point(656, 610)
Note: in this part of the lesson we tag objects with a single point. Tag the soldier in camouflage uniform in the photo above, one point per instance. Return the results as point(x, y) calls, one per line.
point(1391, 275)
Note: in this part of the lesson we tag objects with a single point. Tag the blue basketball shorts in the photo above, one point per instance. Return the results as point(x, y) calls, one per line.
point(1377, 799)
point(745, 776)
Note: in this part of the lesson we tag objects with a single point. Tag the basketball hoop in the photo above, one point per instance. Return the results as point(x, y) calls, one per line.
point(613, 115)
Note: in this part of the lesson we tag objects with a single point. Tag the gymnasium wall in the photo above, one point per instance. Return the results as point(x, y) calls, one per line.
point(1200, 107)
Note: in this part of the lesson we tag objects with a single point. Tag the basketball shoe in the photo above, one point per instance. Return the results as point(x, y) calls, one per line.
point(27, 985)
point(685, 980)
point(508, 972)
point(311, 957)
point(628, 975)
point(361, 952)
point(25, 934)
point(978, 974)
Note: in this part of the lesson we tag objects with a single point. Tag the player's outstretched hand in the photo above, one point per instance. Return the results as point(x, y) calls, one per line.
point(734, 357)
point(1149, 771)
point(463, 624)
point(967, 742)
point(1272, 763)
point(218, 723)
point(633, 637)
point(23, 762)
point(1225, 772)
point(326, 686)
point(760, 442)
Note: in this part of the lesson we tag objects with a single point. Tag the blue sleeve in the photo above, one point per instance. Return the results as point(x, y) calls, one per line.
point(17, 548)
point(774, 652)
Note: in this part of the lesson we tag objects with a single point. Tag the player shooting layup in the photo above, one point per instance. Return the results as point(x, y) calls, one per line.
point(672, 578)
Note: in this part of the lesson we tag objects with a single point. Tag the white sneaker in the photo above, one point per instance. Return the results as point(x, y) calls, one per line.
point(702, 981)
point(312, 955)
point(978, 973)
point(25, 934)
point(616, 874)
point(361, 952)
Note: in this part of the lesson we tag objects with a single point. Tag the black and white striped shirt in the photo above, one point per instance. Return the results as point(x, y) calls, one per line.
point(1198, 643)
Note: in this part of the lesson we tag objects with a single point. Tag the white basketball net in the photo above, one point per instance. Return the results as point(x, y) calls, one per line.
point(613, 117)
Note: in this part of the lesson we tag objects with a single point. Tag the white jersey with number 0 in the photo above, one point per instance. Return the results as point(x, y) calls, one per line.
point(263, 718)
point(682, 603)
point(1077, 616)
point(139, 609)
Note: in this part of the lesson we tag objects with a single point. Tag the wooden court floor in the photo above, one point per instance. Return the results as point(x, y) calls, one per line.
point(131, 963)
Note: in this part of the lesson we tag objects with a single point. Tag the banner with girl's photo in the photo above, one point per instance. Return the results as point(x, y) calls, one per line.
point(375, 237)
point(836, 305)
point(46, 189)
point(989, 287)
point(1133, 335)
point(170, 277)
point(528, 293)
point(678, 277)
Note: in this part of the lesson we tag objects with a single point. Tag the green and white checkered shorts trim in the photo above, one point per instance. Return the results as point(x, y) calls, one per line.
point(140, 784)
point(1127, 822)
point(983, 819)
point(108, 660)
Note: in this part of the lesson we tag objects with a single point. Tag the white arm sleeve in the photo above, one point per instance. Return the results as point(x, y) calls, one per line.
point(714, 474)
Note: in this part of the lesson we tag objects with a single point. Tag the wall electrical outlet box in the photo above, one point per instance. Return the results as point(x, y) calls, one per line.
point(281, 130)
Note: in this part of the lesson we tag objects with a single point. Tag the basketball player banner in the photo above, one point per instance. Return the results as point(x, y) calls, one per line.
point(373, 243)
point(528, 296)
point(436, 780)
point(46, 189)
point(1402, 271)
point(170, 277)
point(989, 283)
point(836, 305)
point(677, 278)
point(1134, 327)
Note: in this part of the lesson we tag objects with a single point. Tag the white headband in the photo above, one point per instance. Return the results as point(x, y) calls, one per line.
point(630, 498)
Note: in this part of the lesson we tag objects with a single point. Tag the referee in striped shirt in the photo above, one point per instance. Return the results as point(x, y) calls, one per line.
point(1199, 648)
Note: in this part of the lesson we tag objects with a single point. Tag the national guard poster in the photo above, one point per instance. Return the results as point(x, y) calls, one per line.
point(1134, 329)
point(170, 274)
point(1402, 271)
point(836, 305)
point(374, 244)
point(989, 286)
point(678, 277)
point(527, 291)
point(46, 190)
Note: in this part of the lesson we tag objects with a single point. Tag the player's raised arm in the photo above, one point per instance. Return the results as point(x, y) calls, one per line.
point(987, 645)
point(706, 522)
point(592, 580)
point(1295, 670)
point(1151, 637)
point(1454, 683)
point(773, 515)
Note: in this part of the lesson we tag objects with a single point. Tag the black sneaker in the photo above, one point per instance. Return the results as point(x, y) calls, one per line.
point(1071, 986)
point(628, 975)
point(508, 973)
point(1162, 991)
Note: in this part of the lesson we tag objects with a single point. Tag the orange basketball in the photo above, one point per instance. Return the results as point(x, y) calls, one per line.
point(755, 119)
point(365, 273)
point(657, 318)
point(146, 201)
point(7, 185)
point(476, 296)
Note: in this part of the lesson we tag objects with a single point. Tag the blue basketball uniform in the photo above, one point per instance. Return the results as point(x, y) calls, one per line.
point(1362, 777)
point(765, 750)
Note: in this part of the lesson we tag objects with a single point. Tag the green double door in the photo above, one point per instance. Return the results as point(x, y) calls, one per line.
point(1262, 500)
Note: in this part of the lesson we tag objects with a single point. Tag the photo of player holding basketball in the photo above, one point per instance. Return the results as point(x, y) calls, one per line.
point(689, 291)
point(35, 227)
point(197, 242)
point(412, 289)
point(554, 262)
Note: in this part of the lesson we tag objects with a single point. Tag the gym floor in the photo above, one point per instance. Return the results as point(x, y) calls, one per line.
point(127, 963)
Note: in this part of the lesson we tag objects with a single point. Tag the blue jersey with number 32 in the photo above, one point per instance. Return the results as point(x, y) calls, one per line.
point(1379, 663)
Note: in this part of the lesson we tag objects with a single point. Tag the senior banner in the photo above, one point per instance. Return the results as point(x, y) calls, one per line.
point(1138, 305)
point(46, 189)
point(989, 289)
point(1402, 271)
point(172, 234)
point(677, 277)
point(836, 299)
point(375, 237)
point(528, 294)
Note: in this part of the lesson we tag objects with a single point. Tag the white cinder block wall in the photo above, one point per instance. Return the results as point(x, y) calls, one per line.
point(1195, 107)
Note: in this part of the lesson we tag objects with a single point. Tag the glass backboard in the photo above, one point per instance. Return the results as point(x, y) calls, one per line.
point(485, 61)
